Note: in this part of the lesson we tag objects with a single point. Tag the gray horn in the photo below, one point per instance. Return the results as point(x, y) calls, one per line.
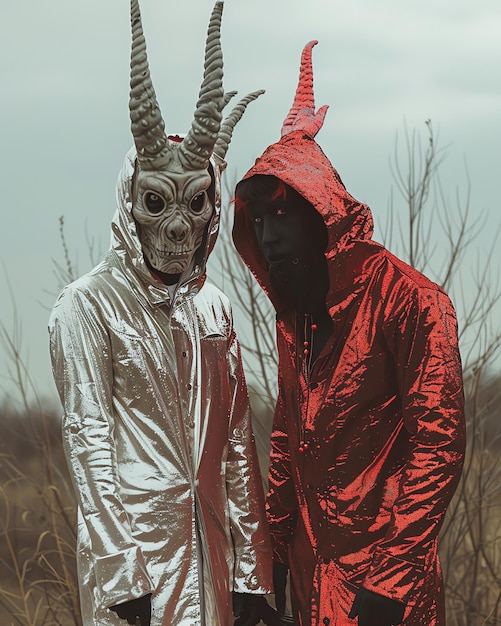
point(147, 125)
point(223, 141)
point(197, 146)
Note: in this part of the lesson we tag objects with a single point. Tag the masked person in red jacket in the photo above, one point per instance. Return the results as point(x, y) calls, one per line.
point(368, 437)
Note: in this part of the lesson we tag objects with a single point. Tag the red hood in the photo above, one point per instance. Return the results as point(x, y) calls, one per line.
point(299, 162)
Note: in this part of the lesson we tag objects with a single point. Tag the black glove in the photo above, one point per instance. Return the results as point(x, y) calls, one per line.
point(134, 609)
point(373, 609)
point(280, 572)
point(247, 609)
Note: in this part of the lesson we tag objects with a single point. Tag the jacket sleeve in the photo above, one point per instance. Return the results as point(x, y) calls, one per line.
point(281, 502)
point(422, 335)
point(249, 529)
point(82, 368)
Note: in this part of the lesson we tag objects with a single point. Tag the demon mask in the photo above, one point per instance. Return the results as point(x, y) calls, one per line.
point(176, 177)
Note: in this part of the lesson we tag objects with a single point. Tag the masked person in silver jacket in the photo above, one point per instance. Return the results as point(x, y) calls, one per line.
point(157, 427)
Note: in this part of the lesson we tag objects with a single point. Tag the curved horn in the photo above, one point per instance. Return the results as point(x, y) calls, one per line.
point(199, 142)
point(147, 125)
point(302, 115)
point(228, 96)
point(223, 141)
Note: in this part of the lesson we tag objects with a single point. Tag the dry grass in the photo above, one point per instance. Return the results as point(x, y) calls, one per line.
point(470, 546)
point(37, 525)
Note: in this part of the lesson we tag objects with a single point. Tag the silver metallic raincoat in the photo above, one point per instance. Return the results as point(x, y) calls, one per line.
point(157, 433)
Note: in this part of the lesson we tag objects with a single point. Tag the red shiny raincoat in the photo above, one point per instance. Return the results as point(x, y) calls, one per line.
point(381, 413)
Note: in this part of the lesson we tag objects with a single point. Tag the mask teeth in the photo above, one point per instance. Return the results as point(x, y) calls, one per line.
point(199, 142)
point(147, 125)
point(302, 113)
point(225, 134)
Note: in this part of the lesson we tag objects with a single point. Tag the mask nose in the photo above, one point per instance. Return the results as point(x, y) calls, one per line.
point(177, 230)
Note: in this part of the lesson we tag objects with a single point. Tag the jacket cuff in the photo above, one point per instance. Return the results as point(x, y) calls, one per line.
point(121, 576)
point(393, 577)
point(252, 571)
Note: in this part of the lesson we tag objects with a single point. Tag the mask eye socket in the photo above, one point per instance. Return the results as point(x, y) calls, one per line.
point(197, 203)
point(153, 202)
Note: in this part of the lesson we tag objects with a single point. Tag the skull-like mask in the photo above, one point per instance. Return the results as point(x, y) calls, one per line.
point(173, 184)
point(172, 212)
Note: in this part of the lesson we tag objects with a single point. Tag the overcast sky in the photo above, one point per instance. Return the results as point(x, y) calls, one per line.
point(65, 126)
